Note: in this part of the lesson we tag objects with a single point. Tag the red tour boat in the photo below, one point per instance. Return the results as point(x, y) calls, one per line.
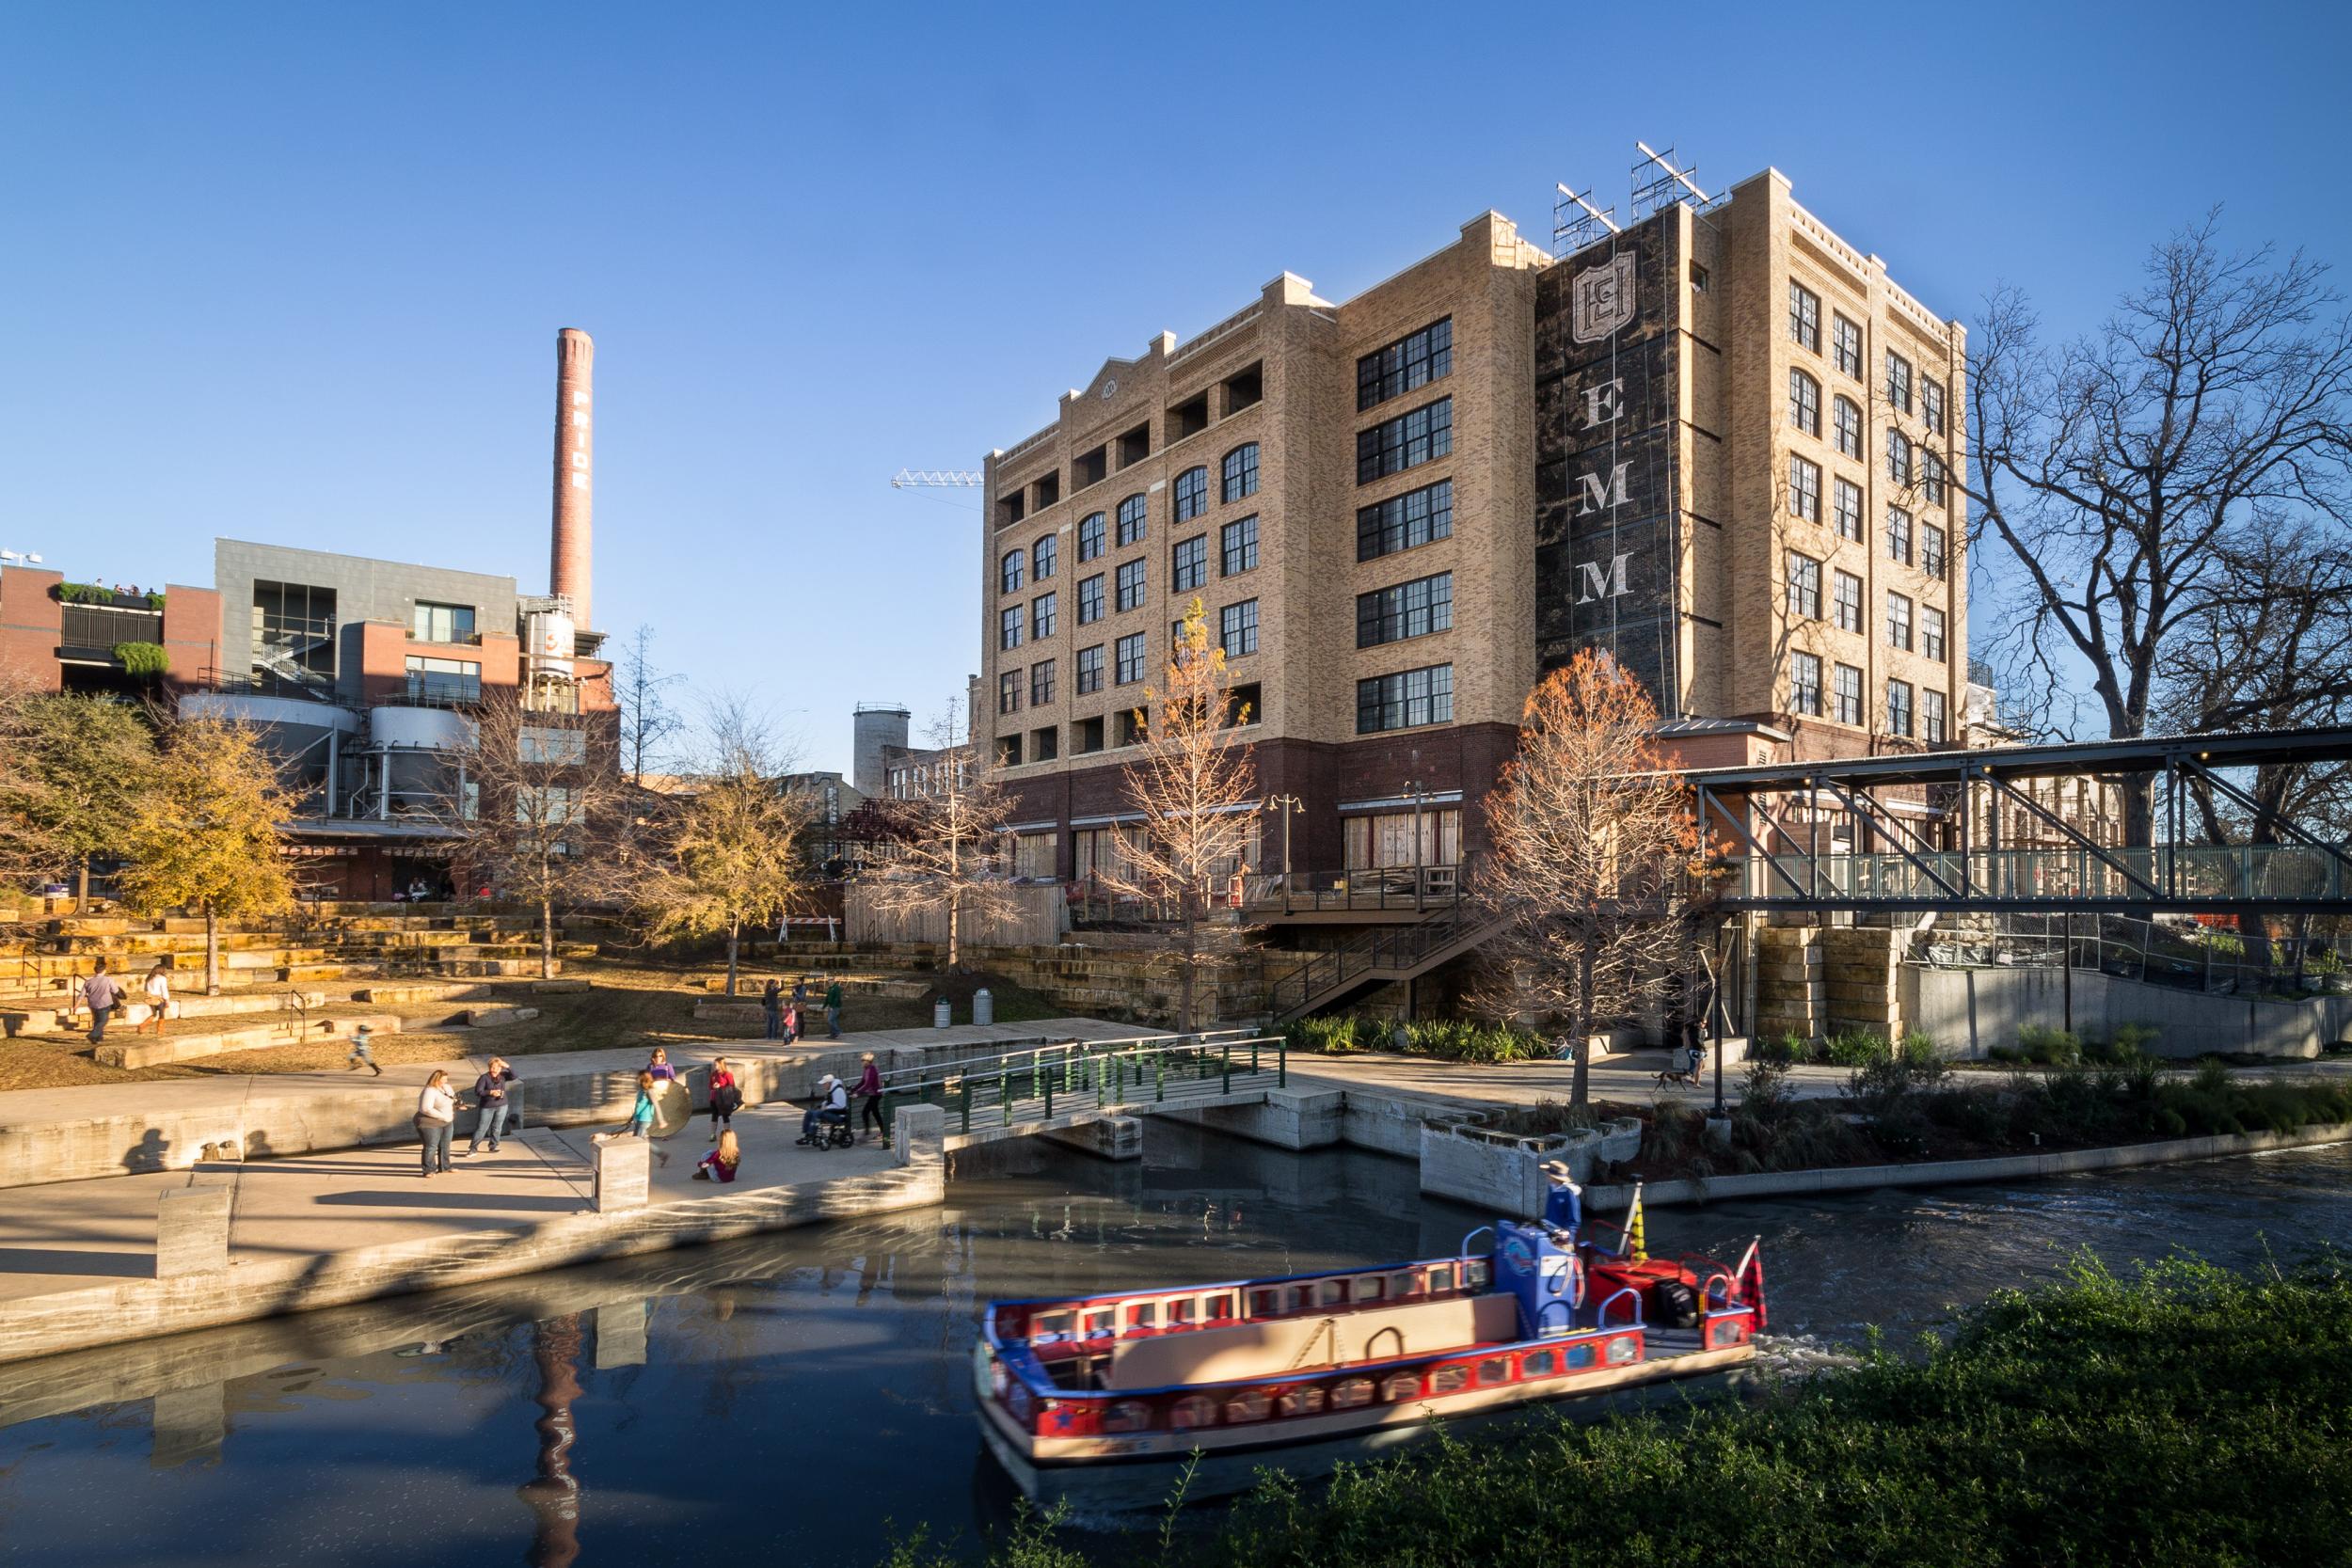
point(1103, 1400)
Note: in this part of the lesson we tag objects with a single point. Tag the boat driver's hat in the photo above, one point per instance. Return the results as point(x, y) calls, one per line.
point(1558, 1171)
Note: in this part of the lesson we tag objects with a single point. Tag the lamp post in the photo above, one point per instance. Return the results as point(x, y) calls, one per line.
point(1291, 805)
point(1421, 795)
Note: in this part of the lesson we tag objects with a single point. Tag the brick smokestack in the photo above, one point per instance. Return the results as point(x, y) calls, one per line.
point(570, 558)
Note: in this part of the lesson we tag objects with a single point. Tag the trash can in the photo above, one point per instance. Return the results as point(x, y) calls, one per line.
point(983, 1006)
point(938, 1013)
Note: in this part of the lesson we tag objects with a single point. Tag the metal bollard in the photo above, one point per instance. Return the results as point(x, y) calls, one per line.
point(1228, 1067)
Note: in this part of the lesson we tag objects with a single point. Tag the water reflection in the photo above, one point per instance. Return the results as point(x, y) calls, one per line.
point(784, 1397)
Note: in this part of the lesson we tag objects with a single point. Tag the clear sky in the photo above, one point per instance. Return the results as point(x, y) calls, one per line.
point(294, 273)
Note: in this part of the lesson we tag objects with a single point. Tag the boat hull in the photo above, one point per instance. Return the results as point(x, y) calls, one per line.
point(1141, 1472)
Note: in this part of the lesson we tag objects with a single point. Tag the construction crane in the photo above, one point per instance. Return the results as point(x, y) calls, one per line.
point(937, 479)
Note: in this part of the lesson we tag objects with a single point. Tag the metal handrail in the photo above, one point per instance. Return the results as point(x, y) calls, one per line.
point(1075, 1072)
point(1382, 948)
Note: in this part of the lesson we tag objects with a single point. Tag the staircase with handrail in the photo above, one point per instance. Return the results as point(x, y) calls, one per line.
point(1383, 955)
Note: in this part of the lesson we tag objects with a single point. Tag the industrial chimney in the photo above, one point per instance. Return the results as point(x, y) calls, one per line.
point(570, 557)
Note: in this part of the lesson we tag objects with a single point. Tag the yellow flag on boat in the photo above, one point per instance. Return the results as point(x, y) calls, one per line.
point(1636, 1236)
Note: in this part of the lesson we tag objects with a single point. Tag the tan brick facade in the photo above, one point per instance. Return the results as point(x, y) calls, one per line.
point(1728, 271)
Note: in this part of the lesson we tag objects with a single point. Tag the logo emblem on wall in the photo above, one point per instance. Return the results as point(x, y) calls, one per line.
point(1602, 299)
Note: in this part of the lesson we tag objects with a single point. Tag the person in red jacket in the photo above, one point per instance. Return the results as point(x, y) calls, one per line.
point(726, 1098)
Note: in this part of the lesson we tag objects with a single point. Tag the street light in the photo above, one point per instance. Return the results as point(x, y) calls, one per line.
point(20, 558)
point(1291, 805)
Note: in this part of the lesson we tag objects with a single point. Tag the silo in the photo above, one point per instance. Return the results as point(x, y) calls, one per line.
point(874, 725)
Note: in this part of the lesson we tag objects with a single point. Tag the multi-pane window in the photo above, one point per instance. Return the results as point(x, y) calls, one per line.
point(1191, 563)
point(1131, 580)
point(442, 622)
point(1131, 659)
point(1238, 544)
point(1009, 627)
point(1846, 498)
point(1805, 684)
point(1131, 521)
point(1804, 586)
point(1406, 441)
point(1405, 700)
point(1089, 670)
point(1044, 555)
point(1010, 570)
point(1413, 609)
point(1804, 489)
point(1898, 381)
point(1932, 402)
point(1846, 339)
point(1898, 534)
point(1899, 457)
point(1404, 521)
point(1899, 621)
point(1848, 694)
point(1848, 593)
point(1091, 537)
point(1241, 473)
point(1192, 493)
point(1847, 420)
point(1805, 402)
point(1407, 363)
point(1090, 599)
point(1899, 707)
point(1932, 632)
point(1009, 691)
point(1931, 475)
point(1044, 615)
point(1237, 628)
point(1805, 317)
point(1936, 721)
point(1931, 550)
point(1041, 683)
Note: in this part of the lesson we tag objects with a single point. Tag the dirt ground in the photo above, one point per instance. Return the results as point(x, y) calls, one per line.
point(630, 1005)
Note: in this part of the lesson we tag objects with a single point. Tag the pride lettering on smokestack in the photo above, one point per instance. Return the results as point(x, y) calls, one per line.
point(570, 559)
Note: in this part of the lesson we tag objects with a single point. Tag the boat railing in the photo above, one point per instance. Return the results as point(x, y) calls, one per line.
point(1079, 1322)
point(1600, 1316)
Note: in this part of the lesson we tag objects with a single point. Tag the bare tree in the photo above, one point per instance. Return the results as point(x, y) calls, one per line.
point(2117, 470)
point(541, 812)
point(1196, 787)
point(1593, 842)
point(947, 845)
point(640, 691)
point(202, 831)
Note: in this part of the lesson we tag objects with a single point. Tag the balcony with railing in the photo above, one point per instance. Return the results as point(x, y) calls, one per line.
point(94, 631)
point(432, 689)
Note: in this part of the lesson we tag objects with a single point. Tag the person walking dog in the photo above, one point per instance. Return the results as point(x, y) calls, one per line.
point(489, 1093)
point(436, 1110)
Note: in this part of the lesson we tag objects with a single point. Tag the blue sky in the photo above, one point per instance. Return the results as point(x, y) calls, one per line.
point(294, 273)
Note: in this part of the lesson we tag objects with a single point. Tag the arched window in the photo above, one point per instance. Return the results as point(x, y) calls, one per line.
point(1192, 493)
point(1805, 402)
point(1091, 537)
point(1849, 423)
point(1041, 556)
point(1131, 521)
point(1241, 472)
point(1008, 571)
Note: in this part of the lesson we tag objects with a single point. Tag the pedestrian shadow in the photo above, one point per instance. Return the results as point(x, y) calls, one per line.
point(489, 1202)
point(148, 1153)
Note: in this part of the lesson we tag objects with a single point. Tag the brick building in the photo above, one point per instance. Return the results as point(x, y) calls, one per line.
point(1719, 442)
point(56, 636)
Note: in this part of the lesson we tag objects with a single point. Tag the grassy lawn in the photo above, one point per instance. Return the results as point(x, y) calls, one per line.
point(631, 1004)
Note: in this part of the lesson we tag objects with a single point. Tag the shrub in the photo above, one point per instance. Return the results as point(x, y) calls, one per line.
point(142, 660)
point(2048, 1047)
point(1789, 1048)
point(1454, 1039)
point(1855, 1047)
point(1919, 1047)
point(2008, 1055)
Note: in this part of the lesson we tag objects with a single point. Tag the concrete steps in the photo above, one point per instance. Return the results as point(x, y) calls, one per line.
point(289, 1029)
point(51, 1020)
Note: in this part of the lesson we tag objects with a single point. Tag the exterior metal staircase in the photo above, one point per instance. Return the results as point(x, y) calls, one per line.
point(1379, 957)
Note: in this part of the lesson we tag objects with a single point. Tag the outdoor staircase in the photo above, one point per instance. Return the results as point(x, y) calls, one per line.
point(1382, 955)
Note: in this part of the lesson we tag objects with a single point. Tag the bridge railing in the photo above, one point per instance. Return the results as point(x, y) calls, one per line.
point(1056, 1079)
point(2183, 874)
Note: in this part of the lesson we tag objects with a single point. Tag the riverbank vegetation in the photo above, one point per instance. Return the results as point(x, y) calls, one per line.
point(2184, 1414)
point(1447, 1039)
point(1916, 1108)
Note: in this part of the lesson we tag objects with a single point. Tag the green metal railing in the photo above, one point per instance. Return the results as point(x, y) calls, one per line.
point(1040, 1083)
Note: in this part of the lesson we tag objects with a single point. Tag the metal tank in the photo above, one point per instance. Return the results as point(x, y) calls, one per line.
point(874, 726)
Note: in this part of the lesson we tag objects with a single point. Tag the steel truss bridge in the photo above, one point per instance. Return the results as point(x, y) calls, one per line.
point(1772, 819)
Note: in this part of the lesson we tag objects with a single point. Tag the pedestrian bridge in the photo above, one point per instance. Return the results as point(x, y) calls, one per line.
point(1083, 1088)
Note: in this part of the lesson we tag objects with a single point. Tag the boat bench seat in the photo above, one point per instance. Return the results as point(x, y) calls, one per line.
point(1312, 1341)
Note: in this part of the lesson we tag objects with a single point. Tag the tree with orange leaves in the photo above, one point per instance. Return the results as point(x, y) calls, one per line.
point(1594, 847)
point(1195, 787)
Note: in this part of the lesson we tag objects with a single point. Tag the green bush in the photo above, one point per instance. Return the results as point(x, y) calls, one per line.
point(1854, 1048)
point(2048, 1047)
point(1919, 1047)
point(1445, 1040)
point(2008, 1055)
point(1788, 1050)
point(142, 660)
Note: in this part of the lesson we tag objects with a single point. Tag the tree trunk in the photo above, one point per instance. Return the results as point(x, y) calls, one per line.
point(81, 887)
point(1581, 1043)
point(546, 938)
point(955, 931)
point(212, 951)
point(735, 937)
point(1183, 1003)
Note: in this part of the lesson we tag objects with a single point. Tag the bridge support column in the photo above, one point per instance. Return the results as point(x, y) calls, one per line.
point(1105, 1137)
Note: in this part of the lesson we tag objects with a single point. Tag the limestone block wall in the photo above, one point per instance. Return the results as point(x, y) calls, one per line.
point(1859, 981)
point(1792, 995)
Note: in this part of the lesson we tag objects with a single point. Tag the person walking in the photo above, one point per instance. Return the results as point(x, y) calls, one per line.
point(437, 1111)
point(721, 1162)
point(158, 989)
point(640, 1122)
point(726, 1098)
point(869, 1088)
point(833, 1011)
point(360, 1055)
point(489, 1093)
point(658, 1066)
point(101, 994)
point(771, 1000)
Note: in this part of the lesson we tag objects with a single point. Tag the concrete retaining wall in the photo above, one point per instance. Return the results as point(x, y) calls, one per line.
point(1966, 1011)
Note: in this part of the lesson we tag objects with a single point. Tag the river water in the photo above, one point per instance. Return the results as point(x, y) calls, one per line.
point(797, 1399)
